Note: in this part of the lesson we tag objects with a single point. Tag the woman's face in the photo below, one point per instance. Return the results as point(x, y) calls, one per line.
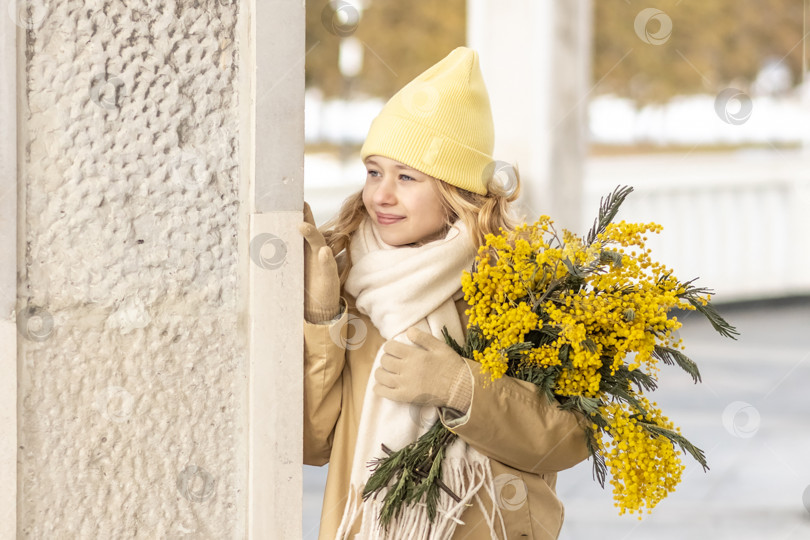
point(403, 203)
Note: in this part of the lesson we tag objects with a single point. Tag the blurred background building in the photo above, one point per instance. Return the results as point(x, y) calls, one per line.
point(702, 107)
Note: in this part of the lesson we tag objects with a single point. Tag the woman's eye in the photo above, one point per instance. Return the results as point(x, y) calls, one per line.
point(404, 177)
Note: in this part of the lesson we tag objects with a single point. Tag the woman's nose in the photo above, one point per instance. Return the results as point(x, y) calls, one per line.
point(385, 193)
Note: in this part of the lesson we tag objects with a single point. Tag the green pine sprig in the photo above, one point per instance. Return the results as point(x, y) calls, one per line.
point(676, 438)
point(412, 474)
point(693, 294)
point(672, 357)
point(608, 208)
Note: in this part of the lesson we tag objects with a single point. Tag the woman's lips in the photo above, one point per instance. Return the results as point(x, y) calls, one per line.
point(388, 219)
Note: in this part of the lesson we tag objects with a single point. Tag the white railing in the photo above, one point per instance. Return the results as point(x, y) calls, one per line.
point(738, 221)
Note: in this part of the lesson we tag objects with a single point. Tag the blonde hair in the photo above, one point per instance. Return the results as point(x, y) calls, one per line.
point(481, 214)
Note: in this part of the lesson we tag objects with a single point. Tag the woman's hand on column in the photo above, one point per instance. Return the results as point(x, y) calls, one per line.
point(321, 281)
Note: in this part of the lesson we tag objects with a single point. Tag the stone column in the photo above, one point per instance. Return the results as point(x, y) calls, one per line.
point(536, 59)
point(8, 277)
point(276, 277)
point(159, 180)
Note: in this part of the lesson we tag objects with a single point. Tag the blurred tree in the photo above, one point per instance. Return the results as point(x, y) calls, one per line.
point(401, 39)
point(713, 44)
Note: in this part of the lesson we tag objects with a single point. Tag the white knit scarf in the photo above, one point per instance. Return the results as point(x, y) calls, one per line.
point(400, 287)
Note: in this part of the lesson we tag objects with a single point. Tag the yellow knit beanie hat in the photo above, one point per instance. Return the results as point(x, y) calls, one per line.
point(440, 124)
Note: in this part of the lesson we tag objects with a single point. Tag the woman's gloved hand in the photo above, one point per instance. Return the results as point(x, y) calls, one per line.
point(321, 281)
point(427, 372)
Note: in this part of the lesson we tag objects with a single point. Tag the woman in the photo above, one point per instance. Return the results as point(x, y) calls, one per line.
point(382, 281)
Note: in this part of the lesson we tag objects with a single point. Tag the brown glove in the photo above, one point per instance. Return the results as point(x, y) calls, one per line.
point(321, 281)
point(428, 371)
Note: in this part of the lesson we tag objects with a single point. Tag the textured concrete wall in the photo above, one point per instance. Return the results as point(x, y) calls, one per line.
point(130, 300)
point(8, 277)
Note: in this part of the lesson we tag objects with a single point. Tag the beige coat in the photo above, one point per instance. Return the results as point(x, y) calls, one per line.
point(526, 438)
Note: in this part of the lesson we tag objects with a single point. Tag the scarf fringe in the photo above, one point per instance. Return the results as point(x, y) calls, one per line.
point(413, 523)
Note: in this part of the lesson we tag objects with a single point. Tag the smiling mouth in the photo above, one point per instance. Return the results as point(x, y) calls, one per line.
point(387, 219)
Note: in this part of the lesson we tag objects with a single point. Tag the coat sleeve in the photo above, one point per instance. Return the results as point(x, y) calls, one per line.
point(509, 421)
point(324, 360)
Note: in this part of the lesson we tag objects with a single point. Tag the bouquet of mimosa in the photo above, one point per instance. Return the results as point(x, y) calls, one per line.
point(588, 320)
